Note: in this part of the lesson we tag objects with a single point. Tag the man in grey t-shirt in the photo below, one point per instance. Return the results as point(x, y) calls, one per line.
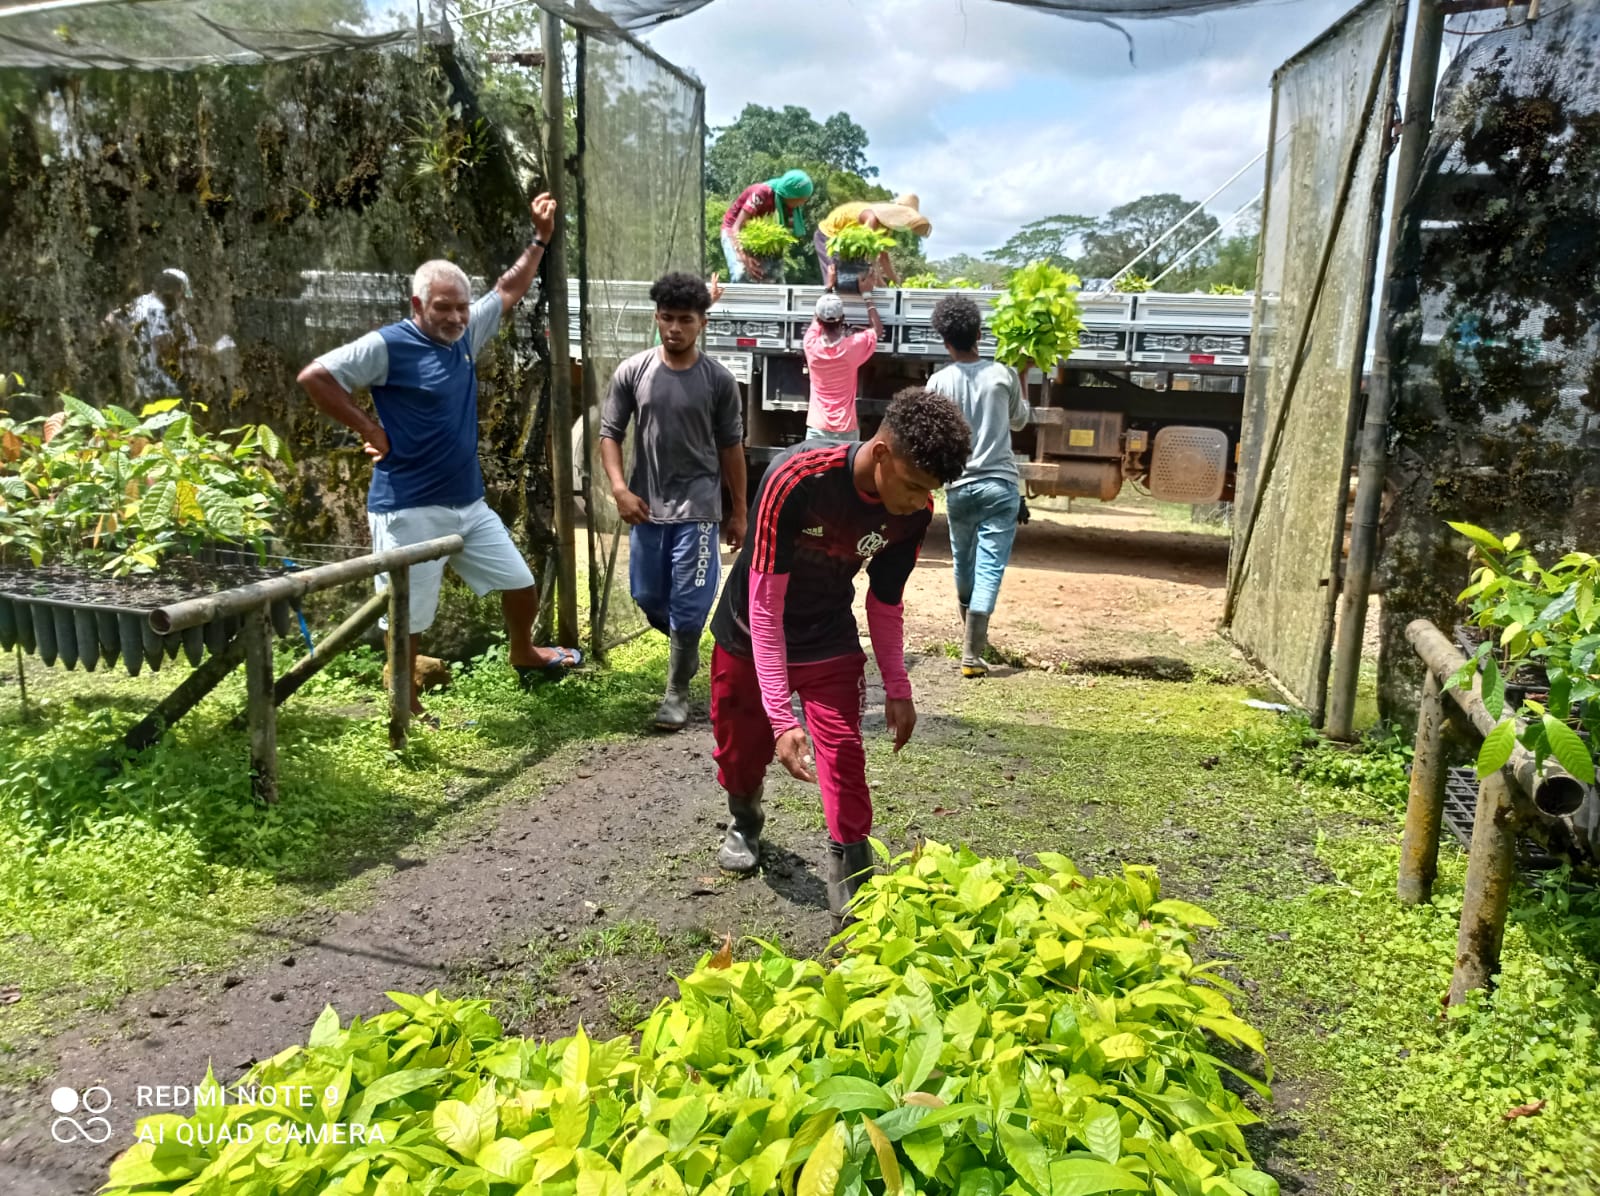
point(688, 444)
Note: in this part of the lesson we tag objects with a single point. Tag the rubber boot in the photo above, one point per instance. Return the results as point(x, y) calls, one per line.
point(682, 664)
point(741, 846)
point(974, 645)
point(849, 867)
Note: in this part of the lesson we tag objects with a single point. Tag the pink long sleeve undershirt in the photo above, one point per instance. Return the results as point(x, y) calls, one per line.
point(885, 627)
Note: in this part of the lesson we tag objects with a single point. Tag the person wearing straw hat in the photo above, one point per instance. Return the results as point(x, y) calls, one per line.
point(904, 213)
point(784, 197)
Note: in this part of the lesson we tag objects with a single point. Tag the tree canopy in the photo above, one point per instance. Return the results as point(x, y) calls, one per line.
point(764, 142)
point(1126, 230)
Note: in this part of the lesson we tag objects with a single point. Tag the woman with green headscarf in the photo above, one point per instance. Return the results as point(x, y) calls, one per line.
point(791, 190)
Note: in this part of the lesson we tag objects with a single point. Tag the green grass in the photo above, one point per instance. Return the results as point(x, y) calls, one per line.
point(114, 879)
point(622, 962)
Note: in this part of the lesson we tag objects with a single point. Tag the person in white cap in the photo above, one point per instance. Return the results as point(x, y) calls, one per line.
point(164, 340)
point(834, 357)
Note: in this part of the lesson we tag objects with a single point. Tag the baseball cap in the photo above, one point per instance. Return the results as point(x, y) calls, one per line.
point(830, 309)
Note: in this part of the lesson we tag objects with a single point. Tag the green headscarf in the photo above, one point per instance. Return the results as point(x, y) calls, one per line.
point(792, 184)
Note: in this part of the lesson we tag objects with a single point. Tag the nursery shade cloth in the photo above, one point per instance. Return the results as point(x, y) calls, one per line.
point(1325, 177)
point(176, 34)
point(641, 125)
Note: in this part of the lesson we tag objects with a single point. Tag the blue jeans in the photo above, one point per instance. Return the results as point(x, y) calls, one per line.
point(983, 525)
point(673, 570)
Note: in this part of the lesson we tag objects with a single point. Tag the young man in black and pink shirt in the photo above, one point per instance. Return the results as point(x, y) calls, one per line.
point(785, 625)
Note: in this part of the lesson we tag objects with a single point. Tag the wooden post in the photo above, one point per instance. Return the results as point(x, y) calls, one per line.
point(260, 712)
point(328, 647)
point(1419, 848)
point(1491, 868)
point(190, 690)
point(555, 278)
point(399, 656)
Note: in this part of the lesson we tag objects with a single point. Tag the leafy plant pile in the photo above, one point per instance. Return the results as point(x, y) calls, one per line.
point(765, 237)
point(1225, 288)
point(858, 243)
point(1036, 321)
point(929, 281)
point(1548, 618)
point(989, 1029)
point(1131, 284)
point(123, 491)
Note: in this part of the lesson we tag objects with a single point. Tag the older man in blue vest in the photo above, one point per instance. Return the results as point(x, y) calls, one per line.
point(426, 480)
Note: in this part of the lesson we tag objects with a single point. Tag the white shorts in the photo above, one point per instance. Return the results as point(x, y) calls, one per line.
point(489, 561)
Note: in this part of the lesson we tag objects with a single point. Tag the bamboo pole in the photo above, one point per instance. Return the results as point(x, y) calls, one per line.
point(260, 711)
point(1491, 868)
point(1426, 40)
point(196, 611)
point(1549, 789)
point(183, 699)
point(335, 642)
point(399, 593)
point(1419, 848)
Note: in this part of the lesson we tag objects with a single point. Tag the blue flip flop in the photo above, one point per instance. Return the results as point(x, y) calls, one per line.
point(566, 660)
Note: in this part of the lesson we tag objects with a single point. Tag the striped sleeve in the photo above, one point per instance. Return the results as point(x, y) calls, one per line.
point(780, 515)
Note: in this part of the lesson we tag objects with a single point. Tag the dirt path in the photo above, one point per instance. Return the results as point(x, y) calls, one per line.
point(1083, 588)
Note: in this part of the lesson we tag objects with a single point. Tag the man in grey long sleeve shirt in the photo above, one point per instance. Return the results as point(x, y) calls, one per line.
point(982, 503)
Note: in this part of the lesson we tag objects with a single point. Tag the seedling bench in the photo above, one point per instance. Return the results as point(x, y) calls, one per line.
point(217, 632)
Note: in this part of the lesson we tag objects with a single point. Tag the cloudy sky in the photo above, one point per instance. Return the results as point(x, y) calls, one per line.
point(997, 114)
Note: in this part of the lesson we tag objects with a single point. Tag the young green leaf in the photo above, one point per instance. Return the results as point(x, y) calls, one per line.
point(1496, 749)
point(1493, 688)
point(820, 1175)
point(1569, 750)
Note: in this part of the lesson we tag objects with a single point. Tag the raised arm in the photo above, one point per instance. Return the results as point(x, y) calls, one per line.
point(872, 308)
point(514, 283)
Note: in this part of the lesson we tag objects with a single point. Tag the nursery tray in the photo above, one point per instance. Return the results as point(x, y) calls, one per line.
point(1460, 810)
point(91, 620)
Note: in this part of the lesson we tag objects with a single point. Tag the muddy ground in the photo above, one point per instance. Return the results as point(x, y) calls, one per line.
point(579, 899)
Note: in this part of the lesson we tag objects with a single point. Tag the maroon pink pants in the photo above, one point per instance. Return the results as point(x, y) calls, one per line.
point(832, 695)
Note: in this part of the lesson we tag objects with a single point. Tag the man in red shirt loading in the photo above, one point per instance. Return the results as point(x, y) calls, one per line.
point(784, 625)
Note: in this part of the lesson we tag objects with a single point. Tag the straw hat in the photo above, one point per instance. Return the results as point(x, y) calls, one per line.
point(905, 213)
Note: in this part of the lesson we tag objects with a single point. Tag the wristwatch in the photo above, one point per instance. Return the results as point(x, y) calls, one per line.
point(540, 241)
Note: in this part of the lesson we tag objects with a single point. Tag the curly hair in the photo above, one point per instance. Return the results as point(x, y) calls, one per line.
point(680, 292)
point(957, 319)
point(929, 431)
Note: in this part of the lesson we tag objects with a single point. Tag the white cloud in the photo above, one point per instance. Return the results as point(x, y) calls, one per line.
point(996, 114)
